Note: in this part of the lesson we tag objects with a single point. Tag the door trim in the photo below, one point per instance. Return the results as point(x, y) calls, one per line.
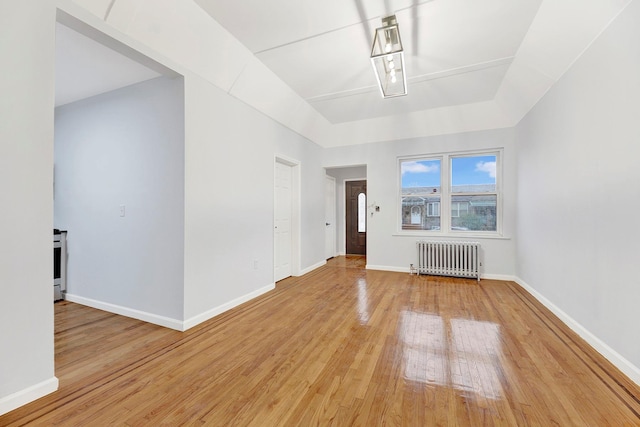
point(295, 214)
point(333, 218)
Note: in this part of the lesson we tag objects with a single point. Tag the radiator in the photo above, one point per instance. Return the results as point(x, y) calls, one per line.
point(460, 259)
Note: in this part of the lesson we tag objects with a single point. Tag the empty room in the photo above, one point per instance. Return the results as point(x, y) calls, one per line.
point(289, 212)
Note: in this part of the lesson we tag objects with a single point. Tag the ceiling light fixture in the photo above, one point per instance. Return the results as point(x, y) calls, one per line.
point(387, 58)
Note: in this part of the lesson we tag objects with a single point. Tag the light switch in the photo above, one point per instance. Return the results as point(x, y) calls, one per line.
point(121, 210)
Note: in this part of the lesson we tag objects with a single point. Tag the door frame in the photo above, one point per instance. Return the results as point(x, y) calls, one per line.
point(295, 214)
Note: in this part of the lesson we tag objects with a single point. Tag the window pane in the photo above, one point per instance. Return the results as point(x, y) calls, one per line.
point(475, 213)
point(362, 213)
point(420, 176)
point(475, 174)
point(420, 180)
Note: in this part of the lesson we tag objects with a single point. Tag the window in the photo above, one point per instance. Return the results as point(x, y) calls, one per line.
point(473, 183)
point(362, 213)
point(420, 189)
point(450, 192)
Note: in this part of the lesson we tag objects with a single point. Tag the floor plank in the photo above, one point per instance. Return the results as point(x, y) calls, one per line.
point(339, 346)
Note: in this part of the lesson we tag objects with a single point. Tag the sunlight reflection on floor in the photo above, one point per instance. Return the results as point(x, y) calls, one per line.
point(363, 302)
point(430, 343)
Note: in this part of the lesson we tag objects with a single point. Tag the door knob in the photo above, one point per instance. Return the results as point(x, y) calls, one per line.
point(326, 223)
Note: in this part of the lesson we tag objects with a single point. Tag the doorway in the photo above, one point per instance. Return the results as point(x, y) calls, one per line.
point(356, 217)
point(119, 175)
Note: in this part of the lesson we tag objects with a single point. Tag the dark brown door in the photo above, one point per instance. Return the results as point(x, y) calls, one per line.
point(356, 194)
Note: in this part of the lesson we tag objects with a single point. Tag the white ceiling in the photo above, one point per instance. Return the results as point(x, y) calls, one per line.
point(457, 51)
point(471, 64)
point(85, 68)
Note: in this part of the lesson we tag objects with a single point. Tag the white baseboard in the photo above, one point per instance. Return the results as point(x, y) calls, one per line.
point(505, 277)
point(628, 368)
point(167, 322)
point(203, 317)
point(387, 268)
point(311, 268)
point(27, 395)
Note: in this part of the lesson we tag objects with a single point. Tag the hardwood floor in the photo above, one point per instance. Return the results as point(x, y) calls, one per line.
point(339, 346)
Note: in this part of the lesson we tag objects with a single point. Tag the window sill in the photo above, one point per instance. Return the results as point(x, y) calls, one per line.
point(441, 235)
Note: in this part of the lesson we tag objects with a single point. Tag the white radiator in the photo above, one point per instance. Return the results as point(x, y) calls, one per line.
point(460, 259)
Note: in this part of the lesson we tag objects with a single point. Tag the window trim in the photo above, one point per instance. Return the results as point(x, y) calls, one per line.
point(446, 193)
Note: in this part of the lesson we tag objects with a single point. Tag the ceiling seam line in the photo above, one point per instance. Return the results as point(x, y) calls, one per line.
point(108, 11)
point(244, 67)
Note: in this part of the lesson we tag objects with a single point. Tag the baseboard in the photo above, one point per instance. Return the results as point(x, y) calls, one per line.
point(203, 317)
point(311, 268)
point(504, 277)
point(167, 322)
point(628, 368)
point(387, 268)
point(27, 395)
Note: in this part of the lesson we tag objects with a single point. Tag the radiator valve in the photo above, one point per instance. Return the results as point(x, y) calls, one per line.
point(412, 269)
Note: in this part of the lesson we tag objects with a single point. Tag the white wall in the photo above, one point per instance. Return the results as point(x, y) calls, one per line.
point(125, 147)
point(230, 150)
point(26, 174)
point(229, 199)
point(388, 250)
point(341, 174)
point(579, 194)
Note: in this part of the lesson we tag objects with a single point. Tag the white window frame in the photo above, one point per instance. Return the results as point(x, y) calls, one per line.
point(446, 193)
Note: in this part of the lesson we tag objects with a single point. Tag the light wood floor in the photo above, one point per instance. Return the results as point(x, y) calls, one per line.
point(340, 346)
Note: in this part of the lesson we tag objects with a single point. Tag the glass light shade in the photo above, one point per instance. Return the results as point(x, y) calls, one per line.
point(387, 58)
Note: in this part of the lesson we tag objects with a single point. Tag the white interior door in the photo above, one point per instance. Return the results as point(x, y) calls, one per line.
point(330, 217)
point(282, 221)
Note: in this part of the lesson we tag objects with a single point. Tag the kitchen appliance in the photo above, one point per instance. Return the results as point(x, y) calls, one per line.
point(59, 264)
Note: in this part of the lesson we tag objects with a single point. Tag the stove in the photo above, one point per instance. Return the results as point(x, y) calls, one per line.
point(59, 264)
